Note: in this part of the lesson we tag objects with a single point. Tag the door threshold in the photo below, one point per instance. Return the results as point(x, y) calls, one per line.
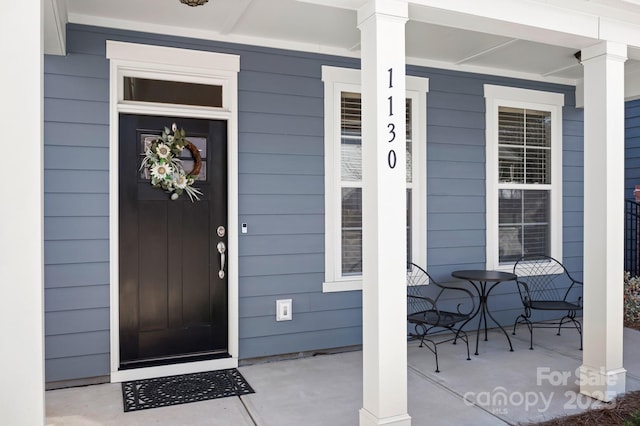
point(173, 369)
point(177, 359)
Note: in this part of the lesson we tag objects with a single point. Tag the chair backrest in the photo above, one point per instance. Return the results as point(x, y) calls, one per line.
point(546, 279)
point(417, 282)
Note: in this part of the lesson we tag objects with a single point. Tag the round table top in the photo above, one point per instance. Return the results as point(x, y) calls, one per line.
point(482, 275)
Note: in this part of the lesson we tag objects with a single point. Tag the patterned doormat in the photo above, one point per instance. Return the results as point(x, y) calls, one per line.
point(172, 390)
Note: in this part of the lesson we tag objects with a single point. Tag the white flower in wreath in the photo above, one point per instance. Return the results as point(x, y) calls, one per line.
point(161, 171)
point(181, 181)
point(163, 150)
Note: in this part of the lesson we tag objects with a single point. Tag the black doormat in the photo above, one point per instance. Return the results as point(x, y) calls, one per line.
point(172, 390)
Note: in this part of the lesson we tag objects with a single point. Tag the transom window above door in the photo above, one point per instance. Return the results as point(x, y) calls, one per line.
point(343, 176)
point(172, 92)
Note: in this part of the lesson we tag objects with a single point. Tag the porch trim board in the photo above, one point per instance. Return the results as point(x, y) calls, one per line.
point(188, 66)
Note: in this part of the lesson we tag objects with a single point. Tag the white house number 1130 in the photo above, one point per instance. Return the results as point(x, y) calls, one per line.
point(391, 156)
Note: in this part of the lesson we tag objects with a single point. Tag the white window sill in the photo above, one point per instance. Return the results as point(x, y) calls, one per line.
point(344, 285)
point(509, 268)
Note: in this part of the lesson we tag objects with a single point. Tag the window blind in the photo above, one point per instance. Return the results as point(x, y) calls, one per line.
point(524, 146)
point(524, 158)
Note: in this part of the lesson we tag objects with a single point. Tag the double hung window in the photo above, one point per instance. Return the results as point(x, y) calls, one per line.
point(343, 176)
point(524, 175)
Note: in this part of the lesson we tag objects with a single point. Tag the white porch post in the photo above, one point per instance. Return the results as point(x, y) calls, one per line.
point(21, 237)
point(602, 374)
point(382, 26)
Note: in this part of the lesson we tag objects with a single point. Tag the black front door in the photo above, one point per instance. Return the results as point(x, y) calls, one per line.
point(173, 295)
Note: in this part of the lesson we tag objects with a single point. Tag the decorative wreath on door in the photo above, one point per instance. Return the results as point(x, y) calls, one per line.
point(162, 158)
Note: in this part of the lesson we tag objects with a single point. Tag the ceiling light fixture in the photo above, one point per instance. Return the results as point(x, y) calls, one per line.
point(194, 3)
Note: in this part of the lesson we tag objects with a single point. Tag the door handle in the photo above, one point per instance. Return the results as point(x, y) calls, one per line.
point(221, 249)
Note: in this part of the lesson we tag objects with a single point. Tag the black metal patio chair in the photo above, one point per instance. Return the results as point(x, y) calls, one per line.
point(429, 314)
point(545, 284)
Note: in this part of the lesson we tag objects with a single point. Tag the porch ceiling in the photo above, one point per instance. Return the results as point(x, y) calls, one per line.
point(309, 26)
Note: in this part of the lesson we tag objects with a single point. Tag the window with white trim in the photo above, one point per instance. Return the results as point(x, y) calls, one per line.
point(343, 176)
point(524, 175)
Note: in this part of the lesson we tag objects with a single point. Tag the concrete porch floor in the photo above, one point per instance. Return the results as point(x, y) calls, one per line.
point(496, 387)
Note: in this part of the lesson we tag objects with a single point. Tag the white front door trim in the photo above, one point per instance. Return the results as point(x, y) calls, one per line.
point(192, 66)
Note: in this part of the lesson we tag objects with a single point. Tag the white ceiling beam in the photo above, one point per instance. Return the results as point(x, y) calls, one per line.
point(240, 9)
point(55, 21)
point(569, 23)
point(526, 20)
point(340, 4)
point(557, 70)
point(486, 51)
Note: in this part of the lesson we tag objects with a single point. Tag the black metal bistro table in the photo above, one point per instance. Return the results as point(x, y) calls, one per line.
point(479, 279)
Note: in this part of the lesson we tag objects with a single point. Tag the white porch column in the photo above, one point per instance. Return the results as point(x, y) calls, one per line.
point(382, 26)
point(21, 270)
point(602, 374)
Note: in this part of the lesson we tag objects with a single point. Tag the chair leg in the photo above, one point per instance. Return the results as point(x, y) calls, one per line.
point(433, 349)
point(579, 328)
point(526, 321)
point(515, 324)
point(462, 335)
point(465, 339)
point(562, 322)
point(435, 352)
point(571, 316)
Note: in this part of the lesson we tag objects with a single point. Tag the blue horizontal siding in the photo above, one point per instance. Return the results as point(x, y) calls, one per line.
point(75, 298)
point(76, 228)
point(257, 143)
point(277, 164)
point(72, 367)
point(77, 344)
point(281, 184)
point(76, 134)
point(265, 245)
point(77, 321)
point(268, 123)
point(265, 306)
point(282, 224)
point(76, 181)
point(66, 87)
point(454, 204)
point(76, 275)
point(311, 321)
point(256, 204)
point(281, 195)
point(76, 111)
point(276, 265)
point(289, 284)
point(281, 103)
point(76, 205)
point(76, 158)
point(76, 251)
point(299, 342)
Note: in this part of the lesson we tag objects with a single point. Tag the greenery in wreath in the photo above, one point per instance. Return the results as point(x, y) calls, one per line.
point(162, 158)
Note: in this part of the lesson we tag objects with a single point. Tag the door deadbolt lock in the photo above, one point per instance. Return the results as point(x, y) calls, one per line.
point(221, 231)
